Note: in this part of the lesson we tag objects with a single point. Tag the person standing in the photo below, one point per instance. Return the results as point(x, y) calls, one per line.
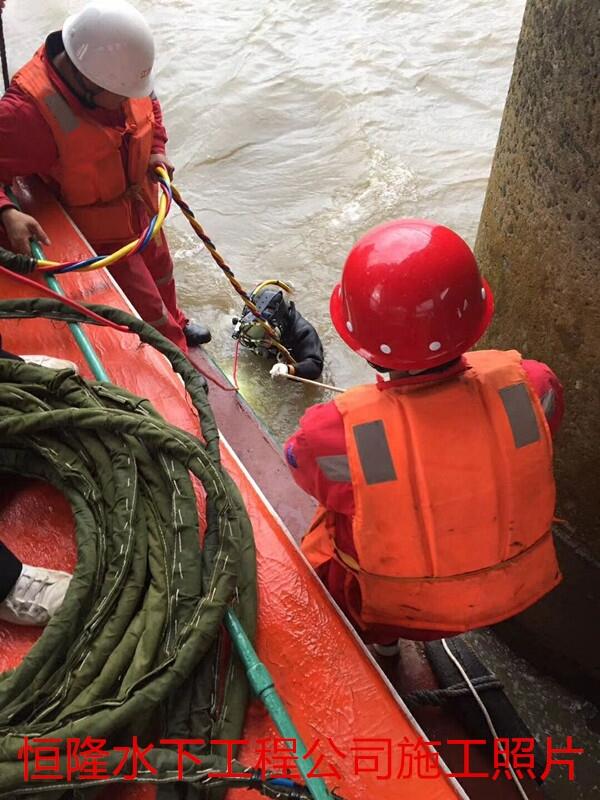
point(81, 114)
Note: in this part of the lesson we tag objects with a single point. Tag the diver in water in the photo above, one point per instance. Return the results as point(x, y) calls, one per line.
point(294, 332)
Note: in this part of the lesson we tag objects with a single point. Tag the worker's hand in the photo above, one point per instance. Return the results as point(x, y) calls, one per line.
point(20, 229)
point(162, 159)
point(279, 371)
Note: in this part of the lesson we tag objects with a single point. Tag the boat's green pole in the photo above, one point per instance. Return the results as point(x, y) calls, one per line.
point(258, 676)
point(79, 335)
point(263, 685)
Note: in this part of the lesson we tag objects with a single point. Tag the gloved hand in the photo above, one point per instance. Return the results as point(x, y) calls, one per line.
point(279, 370)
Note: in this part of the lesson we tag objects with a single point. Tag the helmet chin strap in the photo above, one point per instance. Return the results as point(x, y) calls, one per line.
point(82, 91)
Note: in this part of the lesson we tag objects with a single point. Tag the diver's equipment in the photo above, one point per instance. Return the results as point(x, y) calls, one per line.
point(250, 331)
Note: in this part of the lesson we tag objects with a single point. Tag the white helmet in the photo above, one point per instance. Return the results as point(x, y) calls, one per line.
point(111, 44)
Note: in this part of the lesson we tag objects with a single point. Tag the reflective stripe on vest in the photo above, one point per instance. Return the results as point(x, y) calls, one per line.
point(62, 112)
point(374, 452)
point(454, 497)
point(335, 468)
point(520, 414)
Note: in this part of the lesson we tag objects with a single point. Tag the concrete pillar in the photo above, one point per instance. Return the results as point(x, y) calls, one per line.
point(539, 236)
point(539, 245)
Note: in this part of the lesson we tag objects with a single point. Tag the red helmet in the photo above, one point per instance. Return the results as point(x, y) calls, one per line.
point(411, 296)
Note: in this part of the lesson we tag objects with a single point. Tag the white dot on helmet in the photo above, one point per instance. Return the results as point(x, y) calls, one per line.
point(483, 294)
point(434, 346)
point(349, 326)
point(385, 348)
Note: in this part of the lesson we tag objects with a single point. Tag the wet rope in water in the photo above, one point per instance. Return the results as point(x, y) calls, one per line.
point(439, 697)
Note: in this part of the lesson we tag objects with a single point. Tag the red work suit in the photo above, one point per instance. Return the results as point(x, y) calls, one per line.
point(27, 147)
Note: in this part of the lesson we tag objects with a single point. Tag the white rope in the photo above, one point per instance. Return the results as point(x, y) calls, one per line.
point(488, 719)
point(291, 377)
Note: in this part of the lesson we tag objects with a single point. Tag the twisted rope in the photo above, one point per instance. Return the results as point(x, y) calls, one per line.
point(438, 697)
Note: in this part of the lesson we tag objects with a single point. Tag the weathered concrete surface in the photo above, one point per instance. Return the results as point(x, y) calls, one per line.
point(539, 237)
point(559, 634)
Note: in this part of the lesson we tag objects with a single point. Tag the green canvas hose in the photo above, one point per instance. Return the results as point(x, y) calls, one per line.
point(137, 647)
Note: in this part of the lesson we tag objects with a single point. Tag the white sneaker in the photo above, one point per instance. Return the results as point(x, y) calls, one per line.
point(36, 596)
point(50, 362)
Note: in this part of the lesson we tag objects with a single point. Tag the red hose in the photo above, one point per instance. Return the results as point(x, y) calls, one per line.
point(235, 365)
point(92, 315)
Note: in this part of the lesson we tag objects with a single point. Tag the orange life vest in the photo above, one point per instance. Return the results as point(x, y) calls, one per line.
point(89, 177)
point(454, 498)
